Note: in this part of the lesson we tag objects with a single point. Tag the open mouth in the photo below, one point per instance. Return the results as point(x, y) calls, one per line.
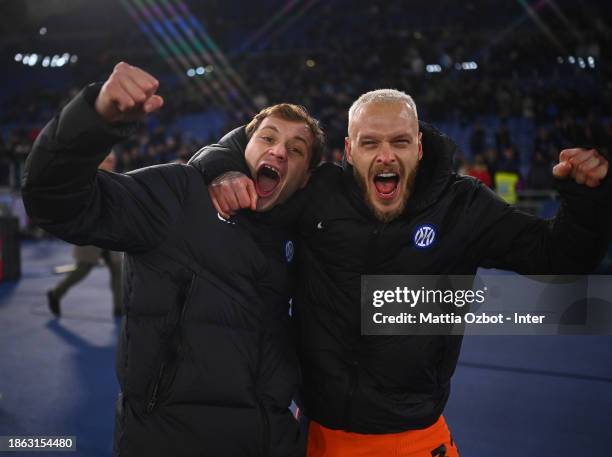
point(386, 184)
point(268, 179)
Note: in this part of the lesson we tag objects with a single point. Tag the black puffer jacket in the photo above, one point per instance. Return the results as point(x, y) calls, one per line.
point(384, 384)
point(206, 362)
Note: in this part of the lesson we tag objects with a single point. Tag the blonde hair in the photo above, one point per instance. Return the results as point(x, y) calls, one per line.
point(382, 96)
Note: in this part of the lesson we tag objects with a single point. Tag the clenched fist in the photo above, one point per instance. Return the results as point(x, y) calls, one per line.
point(585, 166)
point(232, 192)
point(128, 95)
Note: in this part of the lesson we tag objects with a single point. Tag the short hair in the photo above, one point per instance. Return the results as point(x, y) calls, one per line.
point(293, 113)
point(382, 96)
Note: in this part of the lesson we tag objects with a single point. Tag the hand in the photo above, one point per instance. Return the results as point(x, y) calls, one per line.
point(231, 192)
point(128, 95)
point(585, 166)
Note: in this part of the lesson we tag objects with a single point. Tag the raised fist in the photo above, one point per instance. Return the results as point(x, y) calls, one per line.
point(128, 95)
point(585, 166)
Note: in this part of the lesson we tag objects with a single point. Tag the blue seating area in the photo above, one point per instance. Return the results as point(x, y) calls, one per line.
point(522, 131)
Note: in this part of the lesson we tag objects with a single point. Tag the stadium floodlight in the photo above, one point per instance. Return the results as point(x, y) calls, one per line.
point(63, 60)
point(191, 72)
point(200, 70)
point(46, 61)
point(18, 57)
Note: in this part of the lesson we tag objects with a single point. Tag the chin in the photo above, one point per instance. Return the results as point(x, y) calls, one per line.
point(387, 212)
point(269, 202)
point(387, 215)
point(264, 206)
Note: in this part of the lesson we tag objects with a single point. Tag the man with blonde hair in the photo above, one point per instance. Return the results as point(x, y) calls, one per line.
point(385, 395)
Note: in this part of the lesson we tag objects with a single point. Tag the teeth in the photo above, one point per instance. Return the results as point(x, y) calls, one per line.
point(386, 175)
point(270, 167)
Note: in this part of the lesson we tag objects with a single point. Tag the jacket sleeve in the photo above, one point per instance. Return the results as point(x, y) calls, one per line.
point(574, 242)
point(228, 155)
point(66, 194)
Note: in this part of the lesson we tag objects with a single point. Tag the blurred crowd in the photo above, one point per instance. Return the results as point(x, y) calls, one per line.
point(488, 162)
point(490, 149)
point(562, 92)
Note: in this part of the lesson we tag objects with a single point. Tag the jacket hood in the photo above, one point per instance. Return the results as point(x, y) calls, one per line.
point(434, 175)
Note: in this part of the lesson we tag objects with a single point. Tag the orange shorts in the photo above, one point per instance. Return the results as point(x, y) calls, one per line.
point(434, 441)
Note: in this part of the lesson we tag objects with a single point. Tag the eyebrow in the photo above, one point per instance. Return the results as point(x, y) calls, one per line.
point(393, 137)
point(299, 138)
point(402, 136)
point(270, 127)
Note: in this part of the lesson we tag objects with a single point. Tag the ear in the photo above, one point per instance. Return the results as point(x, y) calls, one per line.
point(347, 150)
point(420, 145)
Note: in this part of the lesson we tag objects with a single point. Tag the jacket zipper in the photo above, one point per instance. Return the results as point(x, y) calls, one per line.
point(355, 369)
point(265, 441)
point(154, 395)
point(349, 398)
point(162, 367)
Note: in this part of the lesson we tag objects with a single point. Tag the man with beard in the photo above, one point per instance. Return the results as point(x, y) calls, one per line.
point(206, 361)
point(384, 395)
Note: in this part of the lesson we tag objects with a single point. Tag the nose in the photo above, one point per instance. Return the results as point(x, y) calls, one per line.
point(385, 155)
point(279, 151)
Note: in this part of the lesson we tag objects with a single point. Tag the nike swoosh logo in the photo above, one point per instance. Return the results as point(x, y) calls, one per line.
point(227, 221)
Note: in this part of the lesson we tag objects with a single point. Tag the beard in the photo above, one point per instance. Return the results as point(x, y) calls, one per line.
point(388, 215)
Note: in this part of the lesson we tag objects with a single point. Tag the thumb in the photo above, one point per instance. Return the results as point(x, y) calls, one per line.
point(154, 103)
point(215, 202)
point(562, 170)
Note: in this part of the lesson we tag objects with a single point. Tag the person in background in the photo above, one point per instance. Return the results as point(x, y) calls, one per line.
point(480, 171)
point(477, 140)
point(86, 258)
point(539, 177)
point(507, 176)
